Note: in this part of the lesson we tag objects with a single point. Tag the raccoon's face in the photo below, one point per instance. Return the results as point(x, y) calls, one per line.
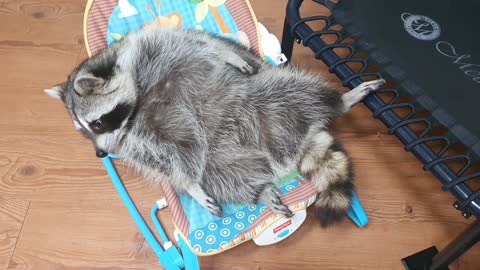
point(101, 101)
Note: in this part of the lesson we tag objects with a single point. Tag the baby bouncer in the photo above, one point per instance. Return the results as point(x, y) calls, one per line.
point(197, 232)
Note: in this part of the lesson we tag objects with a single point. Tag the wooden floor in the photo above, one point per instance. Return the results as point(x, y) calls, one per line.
point(58, 209)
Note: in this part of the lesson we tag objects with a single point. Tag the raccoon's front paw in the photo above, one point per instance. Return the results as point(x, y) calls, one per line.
point(272, 201)
point(246, 68)
point(214, 207)
point(279, 208)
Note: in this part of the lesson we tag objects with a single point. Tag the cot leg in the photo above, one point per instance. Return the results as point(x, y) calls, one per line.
point(432, 260)
point(457, 247)
point(287, 41)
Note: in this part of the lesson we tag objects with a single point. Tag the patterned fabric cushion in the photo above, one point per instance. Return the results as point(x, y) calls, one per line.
point(210, 234)
point(234, 17)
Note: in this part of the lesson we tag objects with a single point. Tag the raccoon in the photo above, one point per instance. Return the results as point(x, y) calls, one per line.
point(212, 119)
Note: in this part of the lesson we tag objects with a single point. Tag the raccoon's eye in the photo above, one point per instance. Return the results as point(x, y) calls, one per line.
point(97, 125)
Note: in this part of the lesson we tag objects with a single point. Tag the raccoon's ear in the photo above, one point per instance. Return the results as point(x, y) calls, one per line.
point(55, 92)
point(88, 84)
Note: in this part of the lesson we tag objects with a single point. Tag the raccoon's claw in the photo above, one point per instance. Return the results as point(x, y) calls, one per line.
point(197, 193)
point(238, 62)
point(282, 210)
point(272, 201)
point(213, 207)
point(371, 86)
point(360, 92)
point(279, 208)
point(246, 68)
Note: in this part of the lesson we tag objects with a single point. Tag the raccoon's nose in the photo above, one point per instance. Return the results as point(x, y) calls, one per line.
point(101, 153)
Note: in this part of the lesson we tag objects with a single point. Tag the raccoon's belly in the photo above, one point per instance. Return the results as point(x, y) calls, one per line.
point(240, 176)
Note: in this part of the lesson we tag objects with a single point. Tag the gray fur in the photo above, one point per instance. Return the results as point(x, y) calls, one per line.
point(212, 119)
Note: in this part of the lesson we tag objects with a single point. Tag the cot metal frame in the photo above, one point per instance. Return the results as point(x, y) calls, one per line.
point(468, 201)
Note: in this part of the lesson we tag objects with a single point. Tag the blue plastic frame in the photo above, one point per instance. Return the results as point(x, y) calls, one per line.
point(170, 257)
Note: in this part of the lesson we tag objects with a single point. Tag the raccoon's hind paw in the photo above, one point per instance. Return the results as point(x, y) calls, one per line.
point(197, 193)
point(358, 93)
point(371, 86)
point(214, 207)
point(246, 68)
point(272, 201)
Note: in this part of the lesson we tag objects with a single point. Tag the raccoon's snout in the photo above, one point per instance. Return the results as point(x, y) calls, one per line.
point(100, 153)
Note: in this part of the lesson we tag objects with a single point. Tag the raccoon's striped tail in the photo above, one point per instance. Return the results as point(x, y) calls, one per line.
point(327, 165)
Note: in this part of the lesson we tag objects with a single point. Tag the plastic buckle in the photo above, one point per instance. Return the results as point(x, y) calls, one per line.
point(162, 203)
point(277, 60)
point(171, 257)
point(357, 213)
point(166, 261)
point(281, 59)
point(190, 259)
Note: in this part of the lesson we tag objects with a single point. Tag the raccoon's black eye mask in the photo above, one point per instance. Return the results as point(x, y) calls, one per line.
point(112, 120)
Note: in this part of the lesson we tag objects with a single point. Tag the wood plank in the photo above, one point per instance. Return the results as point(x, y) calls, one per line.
point(28, 21)
point(99, 234)
point(45, 33)
point(88, 234)
point(470, 260)
point(12, 215)
point(84, 234)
